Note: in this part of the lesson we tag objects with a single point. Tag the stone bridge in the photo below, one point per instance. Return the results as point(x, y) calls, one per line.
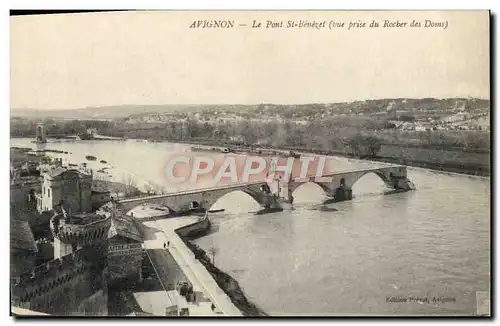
point(339, 185)
point(203, 199)
point(336, 185)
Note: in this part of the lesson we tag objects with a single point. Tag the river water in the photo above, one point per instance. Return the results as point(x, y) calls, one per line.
point(432, 243)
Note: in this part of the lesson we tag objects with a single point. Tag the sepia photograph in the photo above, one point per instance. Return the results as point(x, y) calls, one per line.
point(272, 163)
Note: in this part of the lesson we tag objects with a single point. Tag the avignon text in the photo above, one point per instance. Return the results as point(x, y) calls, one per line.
point(212, 24)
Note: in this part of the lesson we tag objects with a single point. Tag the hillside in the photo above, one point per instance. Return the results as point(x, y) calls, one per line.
point(417, 107)
point(107, 112)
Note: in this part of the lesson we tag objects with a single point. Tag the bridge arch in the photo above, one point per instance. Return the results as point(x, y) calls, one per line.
point(323, 186)
point(385, 177)
point(211, 202)
point(202, 199)
point(128, 209)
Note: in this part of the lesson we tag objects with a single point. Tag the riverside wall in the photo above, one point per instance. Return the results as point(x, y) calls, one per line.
point(224, 281)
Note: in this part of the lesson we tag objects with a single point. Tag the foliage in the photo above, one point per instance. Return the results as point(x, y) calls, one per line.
point(363, 146)
point(213, 251)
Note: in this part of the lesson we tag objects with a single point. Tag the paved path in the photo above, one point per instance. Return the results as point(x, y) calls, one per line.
point(195, 272)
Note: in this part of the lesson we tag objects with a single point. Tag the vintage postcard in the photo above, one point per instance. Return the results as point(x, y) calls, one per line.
point(250, 163)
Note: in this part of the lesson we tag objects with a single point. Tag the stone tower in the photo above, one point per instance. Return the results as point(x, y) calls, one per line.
point(41, 136)
point(75, 282)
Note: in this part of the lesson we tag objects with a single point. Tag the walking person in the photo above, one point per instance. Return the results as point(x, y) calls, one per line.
point(164, 245)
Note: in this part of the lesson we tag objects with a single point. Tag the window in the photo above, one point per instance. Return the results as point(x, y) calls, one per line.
point(48, 191)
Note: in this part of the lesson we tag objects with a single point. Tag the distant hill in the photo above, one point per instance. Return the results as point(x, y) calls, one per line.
point(103, 112)
point(120, 111)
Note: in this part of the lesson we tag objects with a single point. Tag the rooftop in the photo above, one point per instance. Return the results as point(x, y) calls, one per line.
point(59, 172)
point(124, 226)
point(21, 237)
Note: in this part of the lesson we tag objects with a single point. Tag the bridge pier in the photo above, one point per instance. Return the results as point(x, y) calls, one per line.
point(338, 186)
point(271, 202)
point(402, 183)
point(341, 193)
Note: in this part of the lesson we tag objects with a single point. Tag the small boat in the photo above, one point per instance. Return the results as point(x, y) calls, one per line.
point(104, 162)
point(216, 210)
point(327, 209)
point(91, 157)
point(269, 210)
point(203, 149)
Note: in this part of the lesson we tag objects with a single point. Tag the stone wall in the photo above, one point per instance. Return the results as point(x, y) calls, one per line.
point(94, 305)
point(62, 285)
point(195, 229)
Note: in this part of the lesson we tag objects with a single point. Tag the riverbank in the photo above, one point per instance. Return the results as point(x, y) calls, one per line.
point(468, 162)
point(161, 241)
point(476, 162)
point(191, 261)
point(227, 283)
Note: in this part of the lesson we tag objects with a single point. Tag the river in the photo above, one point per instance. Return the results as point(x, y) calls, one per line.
point(430, 243)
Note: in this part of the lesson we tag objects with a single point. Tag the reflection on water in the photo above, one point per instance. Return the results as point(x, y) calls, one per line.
point(433, 242)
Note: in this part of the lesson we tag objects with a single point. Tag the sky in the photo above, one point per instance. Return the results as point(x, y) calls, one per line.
point(96, 59)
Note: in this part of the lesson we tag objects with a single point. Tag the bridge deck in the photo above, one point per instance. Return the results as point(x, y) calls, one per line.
point(343, 172)
point(193, 191)
point(360, 170)
point(242, 185)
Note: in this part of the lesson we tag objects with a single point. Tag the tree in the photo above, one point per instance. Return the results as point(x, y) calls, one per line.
point(213, 251)
point(354, 145)
point(149, 188)
point(130, 187)
point(159, 189)
point(363, 145)
point(373, 145)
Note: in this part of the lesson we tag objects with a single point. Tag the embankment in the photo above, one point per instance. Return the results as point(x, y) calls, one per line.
point(228, 284)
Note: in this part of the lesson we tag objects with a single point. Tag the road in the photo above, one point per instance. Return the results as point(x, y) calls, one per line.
point(161, 232)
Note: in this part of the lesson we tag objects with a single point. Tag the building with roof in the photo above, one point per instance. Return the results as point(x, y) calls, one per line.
point(91, 250)
point(125, 252)
point(69, 188)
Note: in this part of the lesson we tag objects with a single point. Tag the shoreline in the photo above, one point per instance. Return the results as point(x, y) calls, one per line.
point(224, 281)
point(469, 169)
point(457, 168)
